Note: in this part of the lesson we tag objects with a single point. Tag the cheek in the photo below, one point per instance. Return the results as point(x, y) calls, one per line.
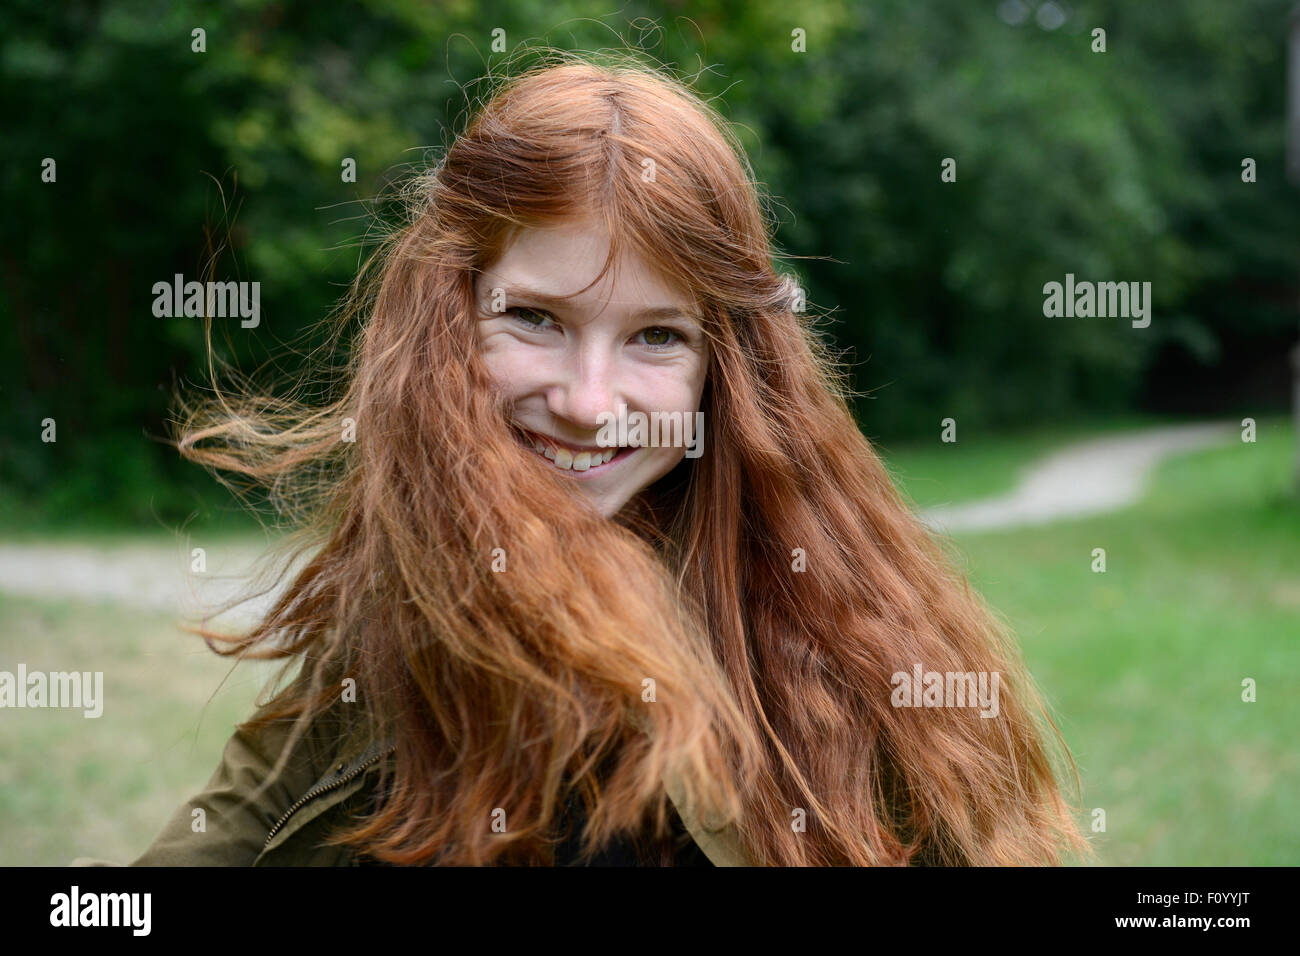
point(677, 389)
point(509, 366)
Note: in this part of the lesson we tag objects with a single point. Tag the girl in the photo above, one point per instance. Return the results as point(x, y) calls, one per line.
point(602, 563)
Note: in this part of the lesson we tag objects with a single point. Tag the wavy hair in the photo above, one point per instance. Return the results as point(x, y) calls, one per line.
point(517, 688)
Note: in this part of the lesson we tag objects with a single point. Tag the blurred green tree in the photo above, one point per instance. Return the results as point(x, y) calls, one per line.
point(1122, 165)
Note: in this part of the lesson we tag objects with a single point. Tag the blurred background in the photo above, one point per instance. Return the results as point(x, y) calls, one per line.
point(1028, 442)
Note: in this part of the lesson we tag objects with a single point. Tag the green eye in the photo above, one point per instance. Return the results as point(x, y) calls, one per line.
point(652, 335)
point(521, 314)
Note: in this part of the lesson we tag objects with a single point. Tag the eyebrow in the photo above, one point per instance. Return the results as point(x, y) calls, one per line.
point(560, 303)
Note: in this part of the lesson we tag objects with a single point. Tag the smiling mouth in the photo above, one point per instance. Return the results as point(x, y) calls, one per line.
point(570, 459)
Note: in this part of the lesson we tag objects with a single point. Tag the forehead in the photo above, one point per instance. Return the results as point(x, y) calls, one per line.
point(555, 261)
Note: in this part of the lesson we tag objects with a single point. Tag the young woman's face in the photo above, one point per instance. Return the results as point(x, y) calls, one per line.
point(628, 340)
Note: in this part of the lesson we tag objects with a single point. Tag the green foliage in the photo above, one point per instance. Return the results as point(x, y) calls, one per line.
point(1121, 165)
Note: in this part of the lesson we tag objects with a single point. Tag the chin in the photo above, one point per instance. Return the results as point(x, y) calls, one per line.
point(606, 505)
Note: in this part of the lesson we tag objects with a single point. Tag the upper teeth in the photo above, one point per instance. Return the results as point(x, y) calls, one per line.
point(564, 459)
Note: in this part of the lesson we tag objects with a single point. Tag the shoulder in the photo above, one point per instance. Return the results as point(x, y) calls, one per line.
point(276, 775)
point(297, 838)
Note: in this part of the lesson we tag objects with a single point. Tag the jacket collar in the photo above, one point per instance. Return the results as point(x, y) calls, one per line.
point(720, 840)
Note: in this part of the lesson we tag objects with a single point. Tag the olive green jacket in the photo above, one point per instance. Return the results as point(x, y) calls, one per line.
point(323, 784)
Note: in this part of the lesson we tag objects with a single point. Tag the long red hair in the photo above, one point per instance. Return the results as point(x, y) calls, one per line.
point(503, 688)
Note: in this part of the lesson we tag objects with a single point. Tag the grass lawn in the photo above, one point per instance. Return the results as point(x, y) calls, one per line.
point(1143, 664)
point(102, 787)
point(1143, 667)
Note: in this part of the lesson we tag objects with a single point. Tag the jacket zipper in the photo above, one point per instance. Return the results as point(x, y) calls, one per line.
point(317, 791)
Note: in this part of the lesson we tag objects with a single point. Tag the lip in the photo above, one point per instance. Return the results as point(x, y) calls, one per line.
point(556, 442)
point(620, 456)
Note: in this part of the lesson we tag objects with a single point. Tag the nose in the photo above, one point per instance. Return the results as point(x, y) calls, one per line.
point(584, 388)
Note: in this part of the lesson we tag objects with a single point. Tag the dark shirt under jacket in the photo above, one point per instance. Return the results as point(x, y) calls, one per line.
point(618, 852)
point(623, 852)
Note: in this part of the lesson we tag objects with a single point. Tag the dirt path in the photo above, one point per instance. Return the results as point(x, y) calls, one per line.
point(148, 576)
point(1090, 477)
point(1086, 478)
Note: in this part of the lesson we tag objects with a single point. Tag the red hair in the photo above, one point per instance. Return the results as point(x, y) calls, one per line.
point(502, 689)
